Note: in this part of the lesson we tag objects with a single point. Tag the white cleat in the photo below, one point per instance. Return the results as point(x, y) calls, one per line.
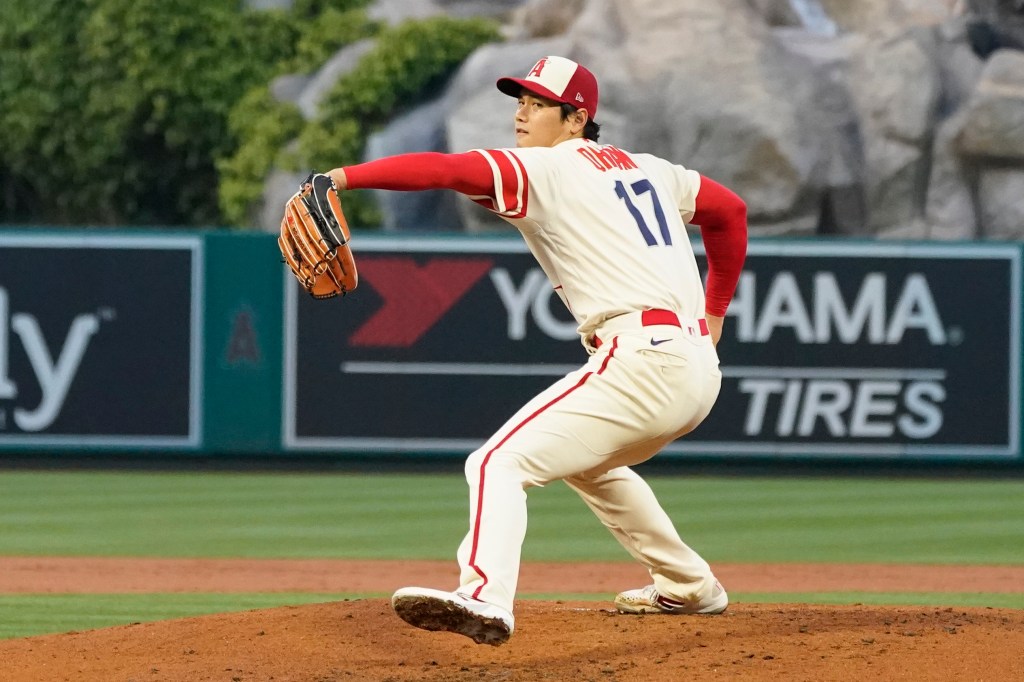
point(430, 609)
point(648, 600)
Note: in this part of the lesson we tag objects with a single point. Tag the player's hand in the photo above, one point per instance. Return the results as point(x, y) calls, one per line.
point(715, 327)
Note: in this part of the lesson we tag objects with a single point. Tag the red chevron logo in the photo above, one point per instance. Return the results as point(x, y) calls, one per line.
point(414, 296)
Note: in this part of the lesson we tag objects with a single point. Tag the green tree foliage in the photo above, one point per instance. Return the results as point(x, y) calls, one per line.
point(265, 126)
point(160, 79)
point(119, 106)
point(407, 64)
point(157, 112)
point(41, 137)
point(333, 30)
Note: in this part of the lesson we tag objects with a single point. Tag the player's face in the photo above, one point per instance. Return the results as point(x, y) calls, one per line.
point(539, 122)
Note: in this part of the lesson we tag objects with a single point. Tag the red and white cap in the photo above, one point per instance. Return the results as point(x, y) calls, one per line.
point(558, 79)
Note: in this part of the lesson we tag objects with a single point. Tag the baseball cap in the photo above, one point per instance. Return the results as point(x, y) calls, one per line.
point(558, 79)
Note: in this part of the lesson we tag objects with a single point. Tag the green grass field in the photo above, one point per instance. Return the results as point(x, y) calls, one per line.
point(282, 515)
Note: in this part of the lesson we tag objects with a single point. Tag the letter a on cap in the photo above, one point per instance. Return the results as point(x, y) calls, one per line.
point(558, 79)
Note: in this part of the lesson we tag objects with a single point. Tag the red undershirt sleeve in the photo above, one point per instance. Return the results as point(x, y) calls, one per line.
point(722, 216)
point(467, 173)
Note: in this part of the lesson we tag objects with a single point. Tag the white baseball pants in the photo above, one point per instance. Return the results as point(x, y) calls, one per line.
point(643, 387)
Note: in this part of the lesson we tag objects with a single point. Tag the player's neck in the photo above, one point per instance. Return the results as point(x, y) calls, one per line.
point(566, 138)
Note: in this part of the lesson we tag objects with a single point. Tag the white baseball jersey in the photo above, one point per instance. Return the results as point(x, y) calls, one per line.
point(607, 227)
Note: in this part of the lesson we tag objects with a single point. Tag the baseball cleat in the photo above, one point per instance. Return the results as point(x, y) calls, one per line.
point(430, 609)
point(647, 600)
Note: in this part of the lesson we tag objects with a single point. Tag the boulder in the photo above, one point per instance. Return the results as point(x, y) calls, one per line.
point(396, 11)
point(896, 122)
point(268, 4)
point(869, 16)
point(479, 8)
point(949, 207)
point(324, 79)
point(1001, 201)
point(995, 113)
point(738, 110)
point(959, 67)
point(995, 24)
point(421, 130)
point(545, 18)
point(777, 13)
point(289, 87)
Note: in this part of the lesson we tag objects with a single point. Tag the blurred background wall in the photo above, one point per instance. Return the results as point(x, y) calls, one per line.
point(888, 118)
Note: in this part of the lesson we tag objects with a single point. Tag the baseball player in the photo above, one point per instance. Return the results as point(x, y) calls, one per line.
point(608, 228)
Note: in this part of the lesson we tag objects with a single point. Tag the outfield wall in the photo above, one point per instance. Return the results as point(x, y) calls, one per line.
point(201, 342)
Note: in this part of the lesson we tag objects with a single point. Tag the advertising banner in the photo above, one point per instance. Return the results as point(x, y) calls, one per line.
point(830, 349)
point(100, 341)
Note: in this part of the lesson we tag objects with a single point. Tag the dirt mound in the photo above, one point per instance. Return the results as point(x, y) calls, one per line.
point(364, 640)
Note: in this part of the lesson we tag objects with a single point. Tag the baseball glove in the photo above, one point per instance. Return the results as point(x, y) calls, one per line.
point(315, 239)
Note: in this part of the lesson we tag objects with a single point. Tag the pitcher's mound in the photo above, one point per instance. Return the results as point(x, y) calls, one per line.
point(578, 641)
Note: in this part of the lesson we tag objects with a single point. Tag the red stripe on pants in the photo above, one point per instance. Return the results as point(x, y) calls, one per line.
point(487, 458)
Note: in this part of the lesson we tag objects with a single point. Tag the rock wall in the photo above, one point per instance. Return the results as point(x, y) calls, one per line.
point(888, 118)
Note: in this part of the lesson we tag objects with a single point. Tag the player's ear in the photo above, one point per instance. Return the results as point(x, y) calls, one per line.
point(579, 120)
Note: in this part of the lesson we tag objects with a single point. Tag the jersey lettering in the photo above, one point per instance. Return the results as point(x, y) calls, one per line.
point(607, 157)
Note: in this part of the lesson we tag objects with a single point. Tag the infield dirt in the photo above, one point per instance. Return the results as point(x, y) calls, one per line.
point(554, 640)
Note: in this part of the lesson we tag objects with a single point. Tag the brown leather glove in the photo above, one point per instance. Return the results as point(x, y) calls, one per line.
point(315, 239)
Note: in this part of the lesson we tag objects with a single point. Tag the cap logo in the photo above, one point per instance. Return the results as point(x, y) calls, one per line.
point(557, 78)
